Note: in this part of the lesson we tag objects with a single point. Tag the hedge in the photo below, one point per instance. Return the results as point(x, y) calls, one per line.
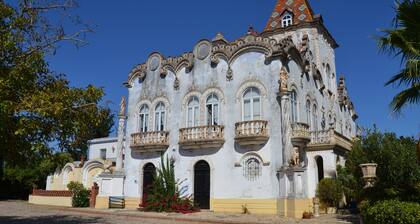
point(391, 212)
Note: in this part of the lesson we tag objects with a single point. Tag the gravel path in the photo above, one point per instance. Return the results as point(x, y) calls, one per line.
point(19, 212)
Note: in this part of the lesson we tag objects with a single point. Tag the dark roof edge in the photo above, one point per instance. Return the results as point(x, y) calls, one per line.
point(317, 23)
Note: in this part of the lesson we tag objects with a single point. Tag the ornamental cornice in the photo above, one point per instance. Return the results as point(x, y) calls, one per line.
point(175, 64)
point(218, 49)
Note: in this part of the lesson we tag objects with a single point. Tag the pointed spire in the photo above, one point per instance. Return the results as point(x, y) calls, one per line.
point(299, 10)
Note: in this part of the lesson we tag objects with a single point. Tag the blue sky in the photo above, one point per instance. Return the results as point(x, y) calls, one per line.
point(128, 31)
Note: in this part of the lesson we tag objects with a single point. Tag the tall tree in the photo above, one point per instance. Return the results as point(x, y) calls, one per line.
point(404, 41)
point(40, 113)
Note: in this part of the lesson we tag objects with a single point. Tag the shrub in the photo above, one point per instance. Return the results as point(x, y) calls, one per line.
point(398, 172)
point(163, 195)
point(80, 194)
point(391, 212)
point(330, 192)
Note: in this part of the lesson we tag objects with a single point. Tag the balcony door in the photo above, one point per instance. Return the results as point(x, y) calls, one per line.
point(251, 105)
point(193, 113)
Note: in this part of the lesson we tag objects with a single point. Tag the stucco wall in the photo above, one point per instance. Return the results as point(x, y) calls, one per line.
point(248, 70)
point(55, 201)
point(95, 146)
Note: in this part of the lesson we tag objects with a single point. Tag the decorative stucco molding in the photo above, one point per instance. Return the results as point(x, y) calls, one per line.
point(344, 99)
point(284, 49)
point(251, 83)
point(161, 99)
point(175, 64)
point(211, 90)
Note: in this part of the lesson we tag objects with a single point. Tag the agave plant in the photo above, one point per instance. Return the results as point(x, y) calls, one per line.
point(164, 194)
point(404, 41)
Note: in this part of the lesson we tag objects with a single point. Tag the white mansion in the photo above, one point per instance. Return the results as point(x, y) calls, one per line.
point(255, 122)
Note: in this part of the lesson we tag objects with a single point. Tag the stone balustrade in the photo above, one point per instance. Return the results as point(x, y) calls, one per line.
point(202, 137)
point(300, 134)
point(150, 141)
point(328, 139)
point(251, 132)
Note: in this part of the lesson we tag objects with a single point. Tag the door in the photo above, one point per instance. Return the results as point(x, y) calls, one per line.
point(202, 185)
point(148, 178)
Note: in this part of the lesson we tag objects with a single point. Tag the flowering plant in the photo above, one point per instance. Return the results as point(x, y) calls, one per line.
point(163, 195)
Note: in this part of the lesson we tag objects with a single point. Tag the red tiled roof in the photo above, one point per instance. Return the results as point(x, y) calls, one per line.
point(300, 9)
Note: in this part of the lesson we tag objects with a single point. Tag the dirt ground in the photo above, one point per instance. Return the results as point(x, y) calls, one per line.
point(19, 212)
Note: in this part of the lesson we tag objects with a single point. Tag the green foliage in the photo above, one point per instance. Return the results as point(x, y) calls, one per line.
point(80, 194)
point(404, 41)
point(392, 212)
point(164, 195)
point(330, 192)
point(40, 113)
point(398, 172)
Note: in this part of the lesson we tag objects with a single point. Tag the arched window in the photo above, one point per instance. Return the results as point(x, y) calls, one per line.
point(252, 104)
point(328, 76)
point(144, 118)
point(287, 20)
point(294, 106)
point(252, 168)
point(315, 118)
point(160, 117)
point(212, 107)
point(308, 113)
point(193, 113)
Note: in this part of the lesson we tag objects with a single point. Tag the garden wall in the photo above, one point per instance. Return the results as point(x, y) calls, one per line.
point(55, 198)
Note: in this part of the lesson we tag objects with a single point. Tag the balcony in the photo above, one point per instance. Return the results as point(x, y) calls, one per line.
point(251, 133)
point(156, 141)
point(329, 139)
point(300, 134)
point(202, 137)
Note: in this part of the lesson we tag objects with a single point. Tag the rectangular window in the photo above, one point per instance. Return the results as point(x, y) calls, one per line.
point(190, 117)
point(216, 115)
point(256, 109)
point(157, 125)
point(196, 116)
point(209, 114)
point(146, 120)
point(103, 154)
point(162, 121)
point(247, 110)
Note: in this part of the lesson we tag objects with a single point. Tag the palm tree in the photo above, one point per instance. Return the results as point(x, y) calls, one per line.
point(404, 41)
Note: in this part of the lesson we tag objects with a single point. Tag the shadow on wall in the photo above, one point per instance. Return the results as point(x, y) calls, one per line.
point(196, 152)
point(249, 148)
point(49, 219)
point(145, 155)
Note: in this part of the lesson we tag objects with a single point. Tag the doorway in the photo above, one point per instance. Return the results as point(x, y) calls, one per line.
point(202, 185)
point(320, 166)
point(149, 171)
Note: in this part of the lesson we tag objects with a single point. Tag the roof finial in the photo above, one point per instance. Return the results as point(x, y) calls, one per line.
point(251, 30)
point(219, 37)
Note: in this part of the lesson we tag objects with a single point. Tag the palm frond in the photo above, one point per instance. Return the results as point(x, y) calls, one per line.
point(407, 76)
point(404, 41)
point(406, 97)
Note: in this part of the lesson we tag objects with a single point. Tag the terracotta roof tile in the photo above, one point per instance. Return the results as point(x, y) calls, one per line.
point(300, 9)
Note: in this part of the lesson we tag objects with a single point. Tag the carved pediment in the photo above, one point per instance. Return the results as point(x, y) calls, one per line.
point(175, 64)
point(230, 51)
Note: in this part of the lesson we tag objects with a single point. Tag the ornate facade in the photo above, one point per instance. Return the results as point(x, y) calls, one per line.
point(255, 122)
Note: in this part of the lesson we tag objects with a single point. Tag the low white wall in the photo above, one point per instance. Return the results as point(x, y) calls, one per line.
point(47, 200)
